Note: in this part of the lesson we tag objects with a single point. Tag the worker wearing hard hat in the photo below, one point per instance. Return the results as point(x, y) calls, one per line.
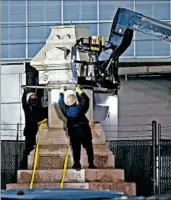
point(33, 115)
point(78, 126)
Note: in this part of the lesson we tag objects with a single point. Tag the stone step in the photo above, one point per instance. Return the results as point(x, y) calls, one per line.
point(84, 175)
point(64, 140)
point(56, 161)
point(128, 188)
point(62, 148)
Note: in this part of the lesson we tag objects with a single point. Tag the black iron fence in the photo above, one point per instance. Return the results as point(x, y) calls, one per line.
point(136, 158)
point(146, 162)
point(11, 156)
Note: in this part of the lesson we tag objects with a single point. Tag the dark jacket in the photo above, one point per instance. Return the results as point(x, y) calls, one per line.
point(33, 115)
point(75, 113)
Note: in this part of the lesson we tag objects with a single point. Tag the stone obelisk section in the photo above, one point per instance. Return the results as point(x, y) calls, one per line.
point(53, 62)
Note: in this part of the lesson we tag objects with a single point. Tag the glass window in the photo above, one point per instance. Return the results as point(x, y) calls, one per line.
point(155, 9)
point(18, 51)
point(161, 48)
point(35, 10)
point(80, 10)
point(109, 8)
point(4, 11)
point(17, 11)
point(37, 35)
point(13, 41)
point(52, 10)
point(161, 10)
point(143, 44)
point(44, 10)
point(5, 51)
point(92, 28)
point(144, 7)
point(143, 48)
point(34, 48)
point(104, 29)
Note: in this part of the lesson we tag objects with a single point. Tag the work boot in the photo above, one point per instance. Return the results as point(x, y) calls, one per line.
point(76, 166)
point(92, 166)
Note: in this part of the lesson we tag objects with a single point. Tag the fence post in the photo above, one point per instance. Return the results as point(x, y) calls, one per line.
point(154, 144)
point(158, 161)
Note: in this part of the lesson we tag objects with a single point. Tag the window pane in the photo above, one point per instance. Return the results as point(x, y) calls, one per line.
point(37, 37)
point(17, 51)
point(92, 28)
point(144, 7)
point(52, 10)
point(4, 51)
point(5, 41)
point(5, 33)
point(161, 10)
point(17, 11)
point(81, 10)
point(104, 30)
point(109, 8)
point(13, 41)
point(34, 48)
point(156, 9)
point(44, 10)
point(161, 48)
point(143, 48)
point(4, 11)
point(35, 10)
point(143, 44)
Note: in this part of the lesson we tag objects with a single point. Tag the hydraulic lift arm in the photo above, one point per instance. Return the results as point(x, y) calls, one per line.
point(105, 59)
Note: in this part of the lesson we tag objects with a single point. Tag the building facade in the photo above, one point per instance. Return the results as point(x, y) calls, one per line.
point(26, 24)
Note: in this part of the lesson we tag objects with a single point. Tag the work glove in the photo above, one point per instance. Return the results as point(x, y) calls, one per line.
point(79, 90)
point(63, 89)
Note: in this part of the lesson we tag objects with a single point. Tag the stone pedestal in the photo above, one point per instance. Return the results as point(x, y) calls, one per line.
point(52, 151)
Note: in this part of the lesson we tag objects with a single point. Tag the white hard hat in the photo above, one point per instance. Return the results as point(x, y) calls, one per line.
point(29, 95)
point(71, 99)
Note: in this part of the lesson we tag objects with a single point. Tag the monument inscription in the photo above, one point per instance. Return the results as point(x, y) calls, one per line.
point(55, 176)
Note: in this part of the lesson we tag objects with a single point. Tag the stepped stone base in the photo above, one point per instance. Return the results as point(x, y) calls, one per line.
point(125, 187)
point(87, 175)
point(52, 157)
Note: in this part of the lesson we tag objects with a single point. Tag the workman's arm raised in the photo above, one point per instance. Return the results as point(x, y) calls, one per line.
point(61, 102)
point(83, 100)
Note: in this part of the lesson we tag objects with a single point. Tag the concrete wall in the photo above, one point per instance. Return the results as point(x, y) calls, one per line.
point(12, 77)
point(140, 102)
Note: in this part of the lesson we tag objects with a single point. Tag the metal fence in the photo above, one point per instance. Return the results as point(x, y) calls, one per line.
point(136, 157)
point(11, 156)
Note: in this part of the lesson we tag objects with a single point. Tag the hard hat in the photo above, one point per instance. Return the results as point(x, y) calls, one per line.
point(71, 99)
point(29, 95)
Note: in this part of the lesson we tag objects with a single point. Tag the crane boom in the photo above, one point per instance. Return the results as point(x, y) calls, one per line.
point(105, 59)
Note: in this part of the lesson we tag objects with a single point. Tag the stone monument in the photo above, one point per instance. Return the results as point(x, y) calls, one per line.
point(53, 63)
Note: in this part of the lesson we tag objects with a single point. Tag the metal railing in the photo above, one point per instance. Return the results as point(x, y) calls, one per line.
point(146, 162)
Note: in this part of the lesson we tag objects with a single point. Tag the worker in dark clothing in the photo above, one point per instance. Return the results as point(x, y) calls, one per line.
point(78, 125)
point(33, 115)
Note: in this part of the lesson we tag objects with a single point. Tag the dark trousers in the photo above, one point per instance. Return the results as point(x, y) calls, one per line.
point(81, 135)
point(30, 142)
